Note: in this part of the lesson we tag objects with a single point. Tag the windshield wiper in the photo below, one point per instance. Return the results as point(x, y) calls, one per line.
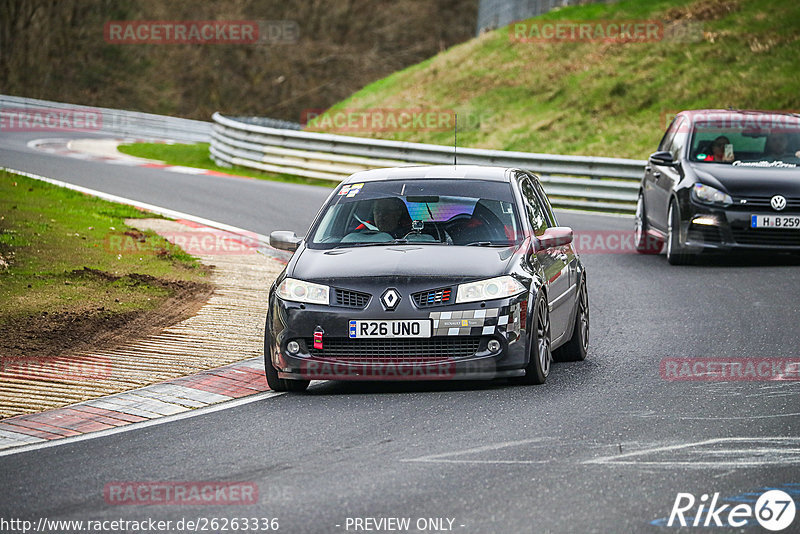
point(372, 243)
point(389, 243)
point(488, 244)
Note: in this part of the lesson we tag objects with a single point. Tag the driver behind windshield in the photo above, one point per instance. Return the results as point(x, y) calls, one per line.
point(718, 149)
point(391, 216)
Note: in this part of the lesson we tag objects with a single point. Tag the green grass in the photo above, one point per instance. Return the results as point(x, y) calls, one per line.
point(64, 251)
point(196, 155)
point(601, 99)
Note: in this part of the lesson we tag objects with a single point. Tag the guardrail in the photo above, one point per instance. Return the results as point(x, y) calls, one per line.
point(582, 182)
point(114, 121)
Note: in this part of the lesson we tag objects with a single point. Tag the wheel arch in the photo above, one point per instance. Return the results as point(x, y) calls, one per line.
point(542, 290)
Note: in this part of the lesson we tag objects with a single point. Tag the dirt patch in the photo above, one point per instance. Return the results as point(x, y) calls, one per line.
point(703, 10)
point(91, 328)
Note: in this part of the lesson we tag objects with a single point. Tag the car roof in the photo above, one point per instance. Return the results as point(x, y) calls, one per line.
point(465, 172)
point(693, 114)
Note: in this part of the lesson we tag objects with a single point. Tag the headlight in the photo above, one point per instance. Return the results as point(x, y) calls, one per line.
point(493, 288)
point(706, 193)
point(299, 291)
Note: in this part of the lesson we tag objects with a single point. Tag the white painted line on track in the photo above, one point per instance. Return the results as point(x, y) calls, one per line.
point(143, 424)
point(738, 455)
point(166, 212)
point(720, 418)
point(717, 453)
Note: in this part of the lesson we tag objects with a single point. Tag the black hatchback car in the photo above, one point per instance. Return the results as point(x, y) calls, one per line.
point(722, 180)
point(427, 273)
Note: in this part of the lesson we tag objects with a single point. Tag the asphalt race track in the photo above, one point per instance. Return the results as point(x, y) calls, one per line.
point(605, 446)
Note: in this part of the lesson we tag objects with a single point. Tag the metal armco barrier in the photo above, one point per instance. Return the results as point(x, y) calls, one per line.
point(581, 182)
point(113, 121)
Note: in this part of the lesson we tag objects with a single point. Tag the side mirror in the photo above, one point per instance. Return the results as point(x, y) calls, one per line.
point(284, 240)
point(554, 237)
point(663, 158)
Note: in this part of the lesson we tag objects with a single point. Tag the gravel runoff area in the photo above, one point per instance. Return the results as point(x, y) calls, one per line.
point(227, 329)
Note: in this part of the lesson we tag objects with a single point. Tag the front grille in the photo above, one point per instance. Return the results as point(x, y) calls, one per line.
point(350, 299)
point(767, 237)
point(434, 297)
point(763, 202)
point(434, 349)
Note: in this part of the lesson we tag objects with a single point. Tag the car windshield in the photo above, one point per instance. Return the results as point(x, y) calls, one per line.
point(753, 140)
point(423, 211)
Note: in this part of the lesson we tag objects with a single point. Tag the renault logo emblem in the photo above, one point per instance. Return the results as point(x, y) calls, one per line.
point(390, 299)
point(778, 203)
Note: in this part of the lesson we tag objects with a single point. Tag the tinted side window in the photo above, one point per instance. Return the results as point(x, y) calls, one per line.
point(679, 138)
point(533, 207)
point(546, 204)
point(666, 141)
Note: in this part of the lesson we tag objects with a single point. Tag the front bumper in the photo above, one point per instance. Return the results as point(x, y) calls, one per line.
point(457, 349)
point(727, 229)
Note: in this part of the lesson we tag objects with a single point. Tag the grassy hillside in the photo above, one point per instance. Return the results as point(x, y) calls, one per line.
point(602, 98)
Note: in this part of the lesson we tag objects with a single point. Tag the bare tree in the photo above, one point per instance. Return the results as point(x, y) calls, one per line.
point(55, 49)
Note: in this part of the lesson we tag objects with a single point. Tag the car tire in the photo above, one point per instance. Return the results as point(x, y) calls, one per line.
point(538, 369)
point(274, 382)
point(577, 347)
point(643, 241)
point(281, 384)
point(676, 251)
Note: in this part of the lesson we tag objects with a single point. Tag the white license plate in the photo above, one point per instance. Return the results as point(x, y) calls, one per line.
point(775, 221)
point(362, 329)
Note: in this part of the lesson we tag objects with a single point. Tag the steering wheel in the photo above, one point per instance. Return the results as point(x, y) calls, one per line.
point(447, 239)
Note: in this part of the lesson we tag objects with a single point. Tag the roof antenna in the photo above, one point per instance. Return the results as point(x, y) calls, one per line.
point(455, 143)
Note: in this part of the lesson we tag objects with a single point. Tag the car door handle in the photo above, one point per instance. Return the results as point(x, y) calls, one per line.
point(656, 174)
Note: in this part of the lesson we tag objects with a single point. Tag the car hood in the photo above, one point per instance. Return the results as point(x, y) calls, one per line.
point(455, 263)
point(750, 181)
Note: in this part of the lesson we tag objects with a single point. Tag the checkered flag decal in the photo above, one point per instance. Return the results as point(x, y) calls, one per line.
point(476, 322)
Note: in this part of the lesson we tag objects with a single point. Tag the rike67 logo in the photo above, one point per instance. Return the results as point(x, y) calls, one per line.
point(774, 510)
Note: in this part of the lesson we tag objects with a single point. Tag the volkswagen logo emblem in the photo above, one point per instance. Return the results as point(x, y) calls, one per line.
point(778, 202)
point(390, 299)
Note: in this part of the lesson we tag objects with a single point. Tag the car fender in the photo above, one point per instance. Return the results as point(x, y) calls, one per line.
point(538, 286)
point(681, 198)
point(571, 328)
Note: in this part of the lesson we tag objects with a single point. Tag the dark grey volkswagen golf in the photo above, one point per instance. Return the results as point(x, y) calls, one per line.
point(722, 180)
point(428, 273)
